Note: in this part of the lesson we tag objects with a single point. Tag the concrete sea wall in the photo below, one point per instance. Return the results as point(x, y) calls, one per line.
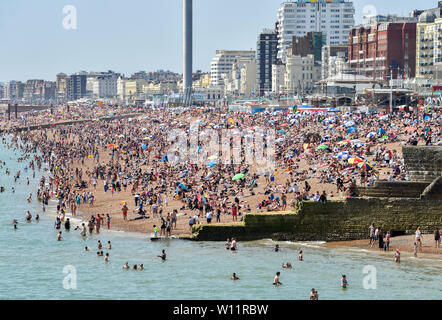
point(333, 221)
point(423, 163)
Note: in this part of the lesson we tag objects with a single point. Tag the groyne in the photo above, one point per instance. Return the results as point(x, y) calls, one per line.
point(340, 220)
point(78, 121)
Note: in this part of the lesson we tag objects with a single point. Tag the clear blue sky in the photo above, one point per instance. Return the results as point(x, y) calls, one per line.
point(133, 35)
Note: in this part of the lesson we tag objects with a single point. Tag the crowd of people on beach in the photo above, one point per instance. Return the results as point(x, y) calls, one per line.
point(317, 157)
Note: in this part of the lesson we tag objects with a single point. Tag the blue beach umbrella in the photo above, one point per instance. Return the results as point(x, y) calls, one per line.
point(351, 130)
point(344, 155)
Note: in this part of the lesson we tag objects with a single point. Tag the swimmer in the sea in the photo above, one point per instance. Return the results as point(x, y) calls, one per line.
point(163, 255)
point(288, 265)
point(59, 237)
point(109, 246)
point(344, 282)
point(106, 258)
point(126, 266)
point(228, 244)
point(141, 267)
point(276, 281)
point(234, 277)
point(300, 256)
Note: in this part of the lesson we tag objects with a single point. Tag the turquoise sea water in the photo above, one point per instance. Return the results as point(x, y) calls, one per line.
point(32, 262)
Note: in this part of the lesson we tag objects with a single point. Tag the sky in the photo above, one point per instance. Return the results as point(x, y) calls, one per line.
point(132, 35)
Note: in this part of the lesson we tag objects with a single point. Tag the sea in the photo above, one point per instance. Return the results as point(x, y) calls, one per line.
point(34, 265)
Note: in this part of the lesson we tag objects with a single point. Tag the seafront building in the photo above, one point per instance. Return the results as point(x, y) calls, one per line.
point(334, 18)
point(76, 86)
point(383, 49)
point(14, 90)
point(101, 87)
point(278, 73)
point(223, 61)
point(266, 56)
point(333, 60)
point(311, 43)
point(301, 74)
point(429, 43)
point(241, 79)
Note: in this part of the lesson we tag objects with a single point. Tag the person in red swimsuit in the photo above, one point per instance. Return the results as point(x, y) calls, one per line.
point(234, 212)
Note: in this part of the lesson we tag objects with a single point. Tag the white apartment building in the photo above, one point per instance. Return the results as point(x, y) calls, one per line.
point(278, 72)
point(241, 80)
point(301, 74)
point(102, 87)
point(121, 89)
point(248, 79)
point(222, 64)
point(295, 18)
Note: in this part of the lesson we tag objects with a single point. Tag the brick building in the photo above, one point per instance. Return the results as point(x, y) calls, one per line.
point(374, 50)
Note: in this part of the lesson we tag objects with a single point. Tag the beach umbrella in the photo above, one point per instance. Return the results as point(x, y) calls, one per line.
point(182, 186)
point(371, 135)
point(365, 165)
point(349, 123)
point(211, 164)
point(381, 131)
point(359, 145)
point(384, 138)
point(143, 146)
point(344, 155)
point(322, 147)
point(355, 160)
point(351, 130)
point(239, 176)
